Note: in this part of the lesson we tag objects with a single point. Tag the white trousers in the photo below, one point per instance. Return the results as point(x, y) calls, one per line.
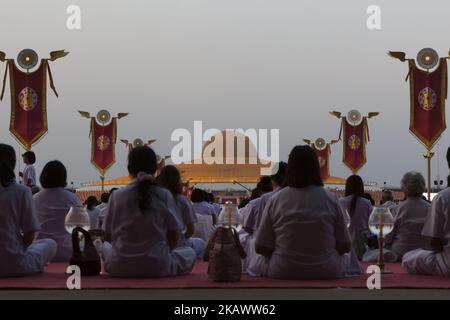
point(425, 262)
point(37, 256)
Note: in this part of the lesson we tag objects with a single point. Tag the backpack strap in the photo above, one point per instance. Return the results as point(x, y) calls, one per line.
point(76, 242)
point(211, 242)
point(238, 244)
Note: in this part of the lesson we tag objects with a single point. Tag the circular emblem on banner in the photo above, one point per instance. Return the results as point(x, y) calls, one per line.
point(322, 161)
point(27, 99)
point(354, 117)
point(320, 144)
point(138, 142)
point(103, 142)
point(27, 59)
point(427, 99)
point(427, 58)
point(103, 117)
point(354, 142)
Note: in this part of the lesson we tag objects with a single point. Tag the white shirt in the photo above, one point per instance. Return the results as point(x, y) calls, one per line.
point(17, 216)
point(29, 173)
point(410, 216)
point(94, 217)
point(52, 206)
point(302, 226)
point(437, 226)
point(139, 239)
point(363, 209)
point(187, 214)
point(203, 208)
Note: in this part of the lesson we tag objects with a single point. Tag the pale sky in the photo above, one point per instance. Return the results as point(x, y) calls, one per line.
point(232, 64)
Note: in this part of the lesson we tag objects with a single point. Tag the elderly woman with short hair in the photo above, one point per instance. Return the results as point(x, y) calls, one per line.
point(409, 220)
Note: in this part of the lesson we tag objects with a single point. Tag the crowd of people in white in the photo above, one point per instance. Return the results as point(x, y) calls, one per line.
point(292, 227)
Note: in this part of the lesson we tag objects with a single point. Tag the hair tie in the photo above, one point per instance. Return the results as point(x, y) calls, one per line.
point(142, 176)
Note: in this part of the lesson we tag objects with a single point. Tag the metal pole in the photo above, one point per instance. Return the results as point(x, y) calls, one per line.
point(428, 156)
point(102, 178)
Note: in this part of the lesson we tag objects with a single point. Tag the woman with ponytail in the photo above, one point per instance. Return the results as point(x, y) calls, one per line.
point(19, 254)
point(170, 179)
point(359, 209)
point(143, 225)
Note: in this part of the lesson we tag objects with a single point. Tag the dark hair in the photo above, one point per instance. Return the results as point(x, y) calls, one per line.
point(448, 155)
point(197, 195)
point(54, 175)
point(368, 196)
point(354, 186)
point(265, 184)
point(303, 168)
point(104, 197)
point(91, 202)
point(256, 193)
point(170, 179)
point(280, 176)
point(142, 159)
point(7, 164)
point(211, 197)
point(30, 156)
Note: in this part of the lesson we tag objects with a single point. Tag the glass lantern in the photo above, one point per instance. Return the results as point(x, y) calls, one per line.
point(229, 216)
point(77, 217)
point(381, 223)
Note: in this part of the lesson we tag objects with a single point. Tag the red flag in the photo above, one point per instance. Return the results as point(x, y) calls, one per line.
point(354, 142)
point(103, 140)
point(28, 103)
point(324, 160)
point(428, 94)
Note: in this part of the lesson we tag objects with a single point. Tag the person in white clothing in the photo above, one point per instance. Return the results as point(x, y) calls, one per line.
point(437, 231)
point(359, 209)
point(387, 199)
point(29, 172)
point(302, 234)
point(93, 212)
point(170, 179)
point(277, 179)
point(143, 226)
point(20, 253)
point(410, 216)
point(206, 215)
point(52, 205)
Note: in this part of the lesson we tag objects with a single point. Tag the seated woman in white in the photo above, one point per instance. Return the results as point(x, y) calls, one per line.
point(410, 216)
point(93, 212)
point(19, 254)
point(359, 210)
point(53, 203)
point(143, 226)
point(170, 179)
point(302, 234)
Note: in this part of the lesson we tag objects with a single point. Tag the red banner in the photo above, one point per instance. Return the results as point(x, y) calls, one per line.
point(324, 161)
point(28, 104)
point(103, 140)
point(354, 142)
point(428, 94)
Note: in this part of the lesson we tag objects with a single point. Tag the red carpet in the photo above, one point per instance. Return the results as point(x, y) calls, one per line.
point(55, 278)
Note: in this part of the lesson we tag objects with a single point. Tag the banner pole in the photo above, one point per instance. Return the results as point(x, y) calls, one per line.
point(102, 178)
point(428, 156)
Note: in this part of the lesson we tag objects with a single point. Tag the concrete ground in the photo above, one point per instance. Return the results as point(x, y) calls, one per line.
point(229, 294)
